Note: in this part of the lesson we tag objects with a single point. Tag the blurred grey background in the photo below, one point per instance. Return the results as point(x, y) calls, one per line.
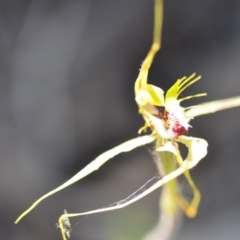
point(67, 70)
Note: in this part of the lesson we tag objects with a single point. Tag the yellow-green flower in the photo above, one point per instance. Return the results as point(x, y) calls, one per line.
point(169, 122)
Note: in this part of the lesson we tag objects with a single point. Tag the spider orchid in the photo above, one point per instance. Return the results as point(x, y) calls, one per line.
point(168, 122)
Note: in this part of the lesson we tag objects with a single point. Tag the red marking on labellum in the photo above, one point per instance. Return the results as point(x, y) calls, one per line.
point(170, 119)
point(179, 129)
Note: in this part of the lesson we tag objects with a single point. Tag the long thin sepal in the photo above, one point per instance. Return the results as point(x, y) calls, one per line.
point(93, 166)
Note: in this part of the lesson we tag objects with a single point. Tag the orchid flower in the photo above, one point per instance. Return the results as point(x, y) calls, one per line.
point(169, 124)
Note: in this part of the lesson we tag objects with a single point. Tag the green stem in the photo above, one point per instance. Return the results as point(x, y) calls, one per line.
point(168, 203)
point(168, 215)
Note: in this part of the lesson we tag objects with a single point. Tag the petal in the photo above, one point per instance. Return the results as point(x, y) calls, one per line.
point(190, 162)
point(212, 107)
point(197, 148)
point(93, 166)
